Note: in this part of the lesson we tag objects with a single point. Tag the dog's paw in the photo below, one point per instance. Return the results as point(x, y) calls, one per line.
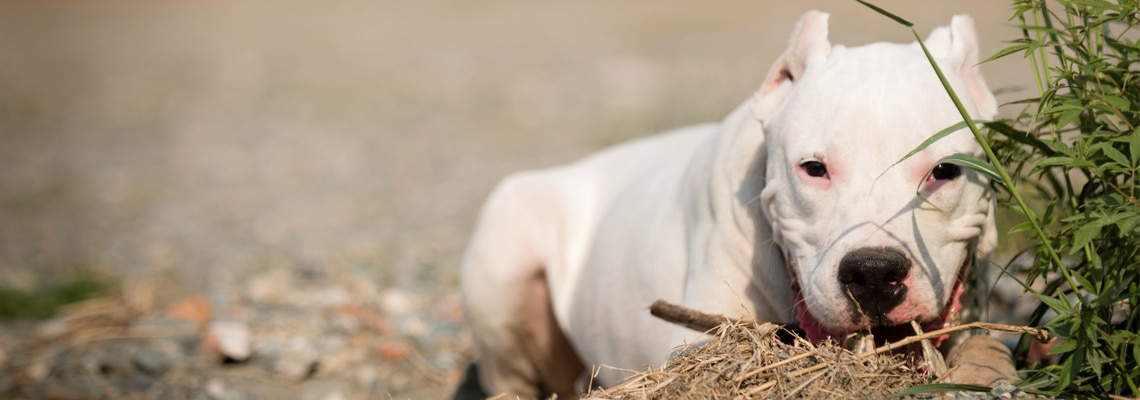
point(981, 360)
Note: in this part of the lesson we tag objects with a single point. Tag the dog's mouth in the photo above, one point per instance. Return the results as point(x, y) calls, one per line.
point(817, 333)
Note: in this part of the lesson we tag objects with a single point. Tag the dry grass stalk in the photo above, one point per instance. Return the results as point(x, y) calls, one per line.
point(747, 360)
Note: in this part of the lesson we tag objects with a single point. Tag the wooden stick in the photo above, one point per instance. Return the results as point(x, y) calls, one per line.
point(702, 322)
point(1040, 334)
point(687, 317)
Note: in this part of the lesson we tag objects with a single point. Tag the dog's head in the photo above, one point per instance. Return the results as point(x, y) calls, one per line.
point(866, 250)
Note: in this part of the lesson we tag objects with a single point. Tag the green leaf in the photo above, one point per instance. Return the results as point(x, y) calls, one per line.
point(1096, 5)
point(1112, 153)
point(1068, 116)
point(1113, 200)
point(1090, 229)
point(933, 138)
point(973, 163)
point(1117, 102)
point(1134, 147)
point(1136, 350)
point(1096, 363)
point(1064, 346)
point(1078, 363)
point(940, 388)
point(1022, 227)
point(1112, 168)
point(1054, 303)
point(1066, 106)
point(1128, 224)
point(1006, 51)
point(1066, 113)
point(1086, 233)
point(1020, 136)
point(1085, 283)
point(1066, 373)
point(1064, 161)
point(1096, 321)
point(1077, 217)
point(887, 14)
point(1025, 212)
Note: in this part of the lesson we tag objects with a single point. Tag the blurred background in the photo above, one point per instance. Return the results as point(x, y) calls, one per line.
point(200, 148)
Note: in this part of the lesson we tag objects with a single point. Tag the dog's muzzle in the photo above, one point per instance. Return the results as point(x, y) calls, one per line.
point(872, 278)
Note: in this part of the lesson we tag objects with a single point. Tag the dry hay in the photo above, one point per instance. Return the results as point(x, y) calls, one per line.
point(749, 361)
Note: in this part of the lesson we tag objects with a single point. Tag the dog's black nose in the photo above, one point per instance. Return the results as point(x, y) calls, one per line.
point(873, 278)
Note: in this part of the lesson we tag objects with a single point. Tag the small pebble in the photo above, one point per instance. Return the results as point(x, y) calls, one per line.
point(396, 302)
point(298, 361)
point(1003, 390)
point(395, 351)
point(151, 362)
point(231, 338)
point(217, 390)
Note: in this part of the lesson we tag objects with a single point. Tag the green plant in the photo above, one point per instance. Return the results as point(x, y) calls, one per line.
point(1080, 145)
point(42, 302)
point(1075, 149)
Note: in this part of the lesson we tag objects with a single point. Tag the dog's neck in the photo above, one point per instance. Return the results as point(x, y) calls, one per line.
point(726, 179)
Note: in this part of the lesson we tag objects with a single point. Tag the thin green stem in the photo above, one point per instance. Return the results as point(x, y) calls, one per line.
point(1037, 80)
point(1056, 259)
point(1041, 39)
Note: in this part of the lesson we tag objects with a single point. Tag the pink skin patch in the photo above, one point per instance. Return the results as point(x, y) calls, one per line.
point(818, 333)
point(932, 185)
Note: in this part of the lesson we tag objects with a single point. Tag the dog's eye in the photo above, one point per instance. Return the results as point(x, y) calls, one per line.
point(814, 168)
point(946, 171)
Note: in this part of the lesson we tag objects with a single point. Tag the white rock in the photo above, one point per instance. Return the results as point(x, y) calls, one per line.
point(396, 302)
point(215, 388)
point(233, 339)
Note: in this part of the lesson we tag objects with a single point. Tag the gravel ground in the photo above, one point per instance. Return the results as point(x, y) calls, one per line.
point(307, 173)
point(288, 334)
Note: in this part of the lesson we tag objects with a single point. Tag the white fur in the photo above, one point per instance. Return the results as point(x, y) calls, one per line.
point(704, 216)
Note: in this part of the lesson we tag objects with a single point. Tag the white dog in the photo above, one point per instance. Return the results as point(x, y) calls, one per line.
point(790, 210)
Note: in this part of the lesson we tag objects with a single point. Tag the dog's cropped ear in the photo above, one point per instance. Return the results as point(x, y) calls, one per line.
point(808, 46)
point(957, 46)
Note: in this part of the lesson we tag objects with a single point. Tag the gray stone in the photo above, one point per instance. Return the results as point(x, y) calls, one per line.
point(152, 362)
point(1004, 390)
point(266, 352)
point(298, 361)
